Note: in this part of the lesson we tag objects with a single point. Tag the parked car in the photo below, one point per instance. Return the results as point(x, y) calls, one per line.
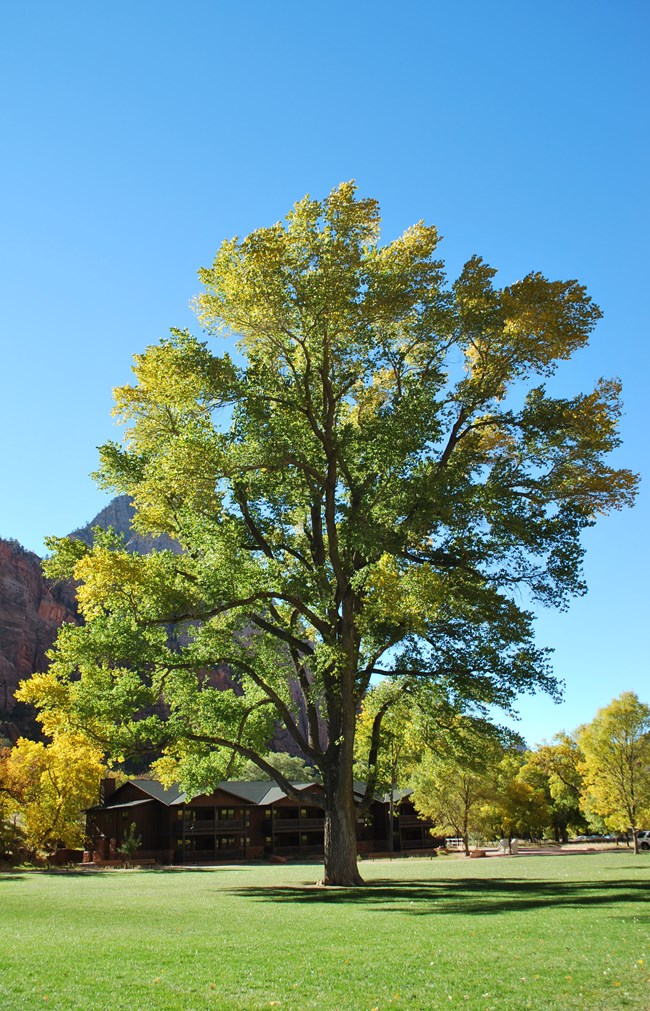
point(644, 839)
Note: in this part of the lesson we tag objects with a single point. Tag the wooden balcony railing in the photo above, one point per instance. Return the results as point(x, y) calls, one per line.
point(211, 825)
point(298, 824)
point(412, 821)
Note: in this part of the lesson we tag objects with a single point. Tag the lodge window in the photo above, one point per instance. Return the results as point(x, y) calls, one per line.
point(229, 813)
point(228, 842)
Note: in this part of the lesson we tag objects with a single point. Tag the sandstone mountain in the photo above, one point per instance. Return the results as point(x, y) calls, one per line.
point(31, 610)
point(118, 514)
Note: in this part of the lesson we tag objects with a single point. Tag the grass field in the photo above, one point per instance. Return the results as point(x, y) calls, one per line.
point(542, 932)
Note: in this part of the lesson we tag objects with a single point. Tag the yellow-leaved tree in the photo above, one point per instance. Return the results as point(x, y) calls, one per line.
point(10, 834)
point(616, 764)
point(50, 787)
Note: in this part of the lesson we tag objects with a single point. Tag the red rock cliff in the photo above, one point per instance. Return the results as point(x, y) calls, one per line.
point(31, 610)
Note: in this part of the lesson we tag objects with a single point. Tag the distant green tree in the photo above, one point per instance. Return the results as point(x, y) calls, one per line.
point(455, 777)
point(388, 759)
point(130, 844)
point(450, 795)
point(290, 766)
point(514, 808)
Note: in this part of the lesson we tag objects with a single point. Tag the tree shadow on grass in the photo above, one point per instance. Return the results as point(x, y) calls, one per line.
point(83, 870)
point(470, 896)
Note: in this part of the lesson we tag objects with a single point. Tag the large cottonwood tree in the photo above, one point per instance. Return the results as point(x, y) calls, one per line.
point(373, 485)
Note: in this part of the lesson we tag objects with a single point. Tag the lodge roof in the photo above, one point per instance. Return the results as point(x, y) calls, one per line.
point(259, 793)
point(119, 806)
point(167, 795)
point(398, 795)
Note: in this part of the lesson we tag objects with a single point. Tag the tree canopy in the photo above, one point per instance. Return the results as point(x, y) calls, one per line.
point(555, 768)
point(616, 764)
point(455, 778)
point(375, 484)
point(47, 787)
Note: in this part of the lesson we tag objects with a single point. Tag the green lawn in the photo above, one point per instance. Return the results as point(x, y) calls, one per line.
point(543, 932)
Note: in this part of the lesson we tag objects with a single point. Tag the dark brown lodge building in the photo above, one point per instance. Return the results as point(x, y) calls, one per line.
point(239, 821)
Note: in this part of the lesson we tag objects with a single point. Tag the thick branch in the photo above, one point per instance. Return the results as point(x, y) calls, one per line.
point(246, 752)
point(453, 438)
point(281, 633)
point(242, 724)
point(375, 738)
point(252, 527)
point(310, 705)
point(279, 704)
point(203, 615)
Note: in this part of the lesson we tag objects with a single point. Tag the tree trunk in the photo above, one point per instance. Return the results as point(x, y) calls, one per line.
point(391, 820)
point(340, 829)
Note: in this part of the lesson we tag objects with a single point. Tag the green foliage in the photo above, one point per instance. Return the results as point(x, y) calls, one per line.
point(450, 796)
point(514, 808)
point(388, 757)
point(360, 493)
point(291, 767)
point(616, 764)
point(130, 844)
point(456, 776)
point(555, 769)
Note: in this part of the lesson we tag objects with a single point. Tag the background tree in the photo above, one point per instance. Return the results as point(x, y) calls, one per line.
point(12, 842)
point(52, 785)
point(616, 764)
point(554, 768)
point(290, 766)
point(514, 808)
point(390, 758)
point(365, 490)
point(455, 778)
point(130, 844)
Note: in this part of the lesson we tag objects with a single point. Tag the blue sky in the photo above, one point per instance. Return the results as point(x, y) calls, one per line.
point(137, 136)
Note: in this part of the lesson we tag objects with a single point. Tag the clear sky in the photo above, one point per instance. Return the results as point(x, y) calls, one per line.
point(137, 136)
